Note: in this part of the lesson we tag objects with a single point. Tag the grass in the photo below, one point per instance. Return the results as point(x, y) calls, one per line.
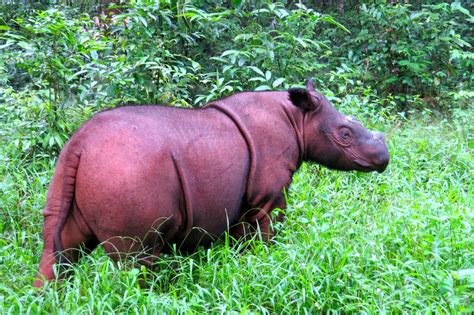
point(401, 241)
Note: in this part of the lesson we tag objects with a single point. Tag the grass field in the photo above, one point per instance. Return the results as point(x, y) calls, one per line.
point(401, 241)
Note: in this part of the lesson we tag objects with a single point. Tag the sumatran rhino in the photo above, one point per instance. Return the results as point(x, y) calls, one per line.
point(137, 179)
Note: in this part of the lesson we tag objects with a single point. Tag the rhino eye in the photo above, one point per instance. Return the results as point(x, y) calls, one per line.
point(345, 136)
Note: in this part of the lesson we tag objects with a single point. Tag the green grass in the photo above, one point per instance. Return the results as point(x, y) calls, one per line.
point(401, 241)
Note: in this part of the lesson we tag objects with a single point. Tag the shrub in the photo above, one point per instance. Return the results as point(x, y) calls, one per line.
point(400, 50)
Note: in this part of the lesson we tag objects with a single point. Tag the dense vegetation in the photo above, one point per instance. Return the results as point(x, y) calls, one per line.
point(391, 242)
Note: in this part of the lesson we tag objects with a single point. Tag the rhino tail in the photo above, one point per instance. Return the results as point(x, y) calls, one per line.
point(67, 171)
point(59, 202)
point(62, 195)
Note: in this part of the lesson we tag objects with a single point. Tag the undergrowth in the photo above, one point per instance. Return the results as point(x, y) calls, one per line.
point(400, 241)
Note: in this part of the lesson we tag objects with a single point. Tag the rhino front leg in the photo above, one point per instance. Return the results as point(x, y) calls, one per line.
point(259, 220)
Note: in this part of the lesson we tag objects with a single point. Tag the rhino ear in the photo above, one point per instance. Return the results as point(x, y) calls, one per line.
point(307, 99)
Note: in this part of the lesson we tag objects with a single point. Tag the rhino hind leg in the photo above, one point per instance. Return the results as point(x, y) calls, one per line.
point(74, 241)
point(144, 249)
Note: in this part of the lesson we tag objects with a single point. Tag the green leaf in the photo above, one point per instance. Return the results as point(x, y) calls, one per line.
point(144, 22)
point(278, 81)
point(329, 19)
point(257, 70)
point(25, 45)
point(457, 6)
point(390, 80)
point(229, 52)
point(236, 3)
point(268, 75)
point(257, 79)
point(263, 88)
point(301, 42)
point(9, 43)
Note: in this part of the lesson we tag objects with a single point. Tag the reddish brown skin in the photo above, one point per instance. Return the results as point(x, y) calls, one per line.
point(138, 179)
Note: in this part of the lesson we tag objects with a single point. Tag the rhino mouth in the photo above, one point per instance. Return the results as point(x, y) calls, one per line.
point(366, 166)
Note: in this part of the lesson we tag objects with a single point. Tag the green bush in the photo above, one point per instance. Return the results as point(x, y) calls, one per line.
point(70, 64)
point(397, 49)
point(60, 63)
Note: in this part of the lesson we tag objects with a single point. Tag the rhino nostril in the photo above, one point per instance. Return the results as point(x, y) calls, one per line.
point(382, 162)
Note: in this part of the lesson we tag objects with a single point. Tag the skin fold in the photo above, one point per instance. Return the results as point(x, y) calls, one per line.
point(138, 179)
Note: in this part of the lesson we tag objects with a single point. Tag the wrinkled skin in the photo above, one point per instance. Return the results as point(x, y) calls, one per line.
point(140, 179)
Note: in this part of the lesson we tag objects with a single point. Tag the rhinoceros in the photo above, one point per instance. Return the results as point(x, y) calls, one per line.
point(142, 179)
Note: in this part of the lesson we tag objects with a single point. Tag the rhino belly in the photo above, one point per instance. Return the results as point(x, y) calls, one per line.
point(213, 187)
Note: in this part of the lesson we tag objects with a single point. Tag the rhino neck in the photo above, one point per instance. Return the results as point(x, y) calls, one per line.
point(265, 116)
point(296, 118)
point(251, 146)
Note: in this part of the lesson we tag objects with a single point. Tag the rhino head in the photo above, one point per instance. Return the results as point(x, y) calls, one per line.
point(335, 140)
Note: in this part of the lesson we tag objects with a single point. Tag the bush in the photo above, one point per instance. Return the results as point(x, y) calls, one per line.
point(400, 50)
point(59, 64)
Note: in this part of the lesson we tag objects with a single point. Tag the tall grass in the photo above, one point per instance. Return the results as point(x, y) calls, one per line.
point(401, 241)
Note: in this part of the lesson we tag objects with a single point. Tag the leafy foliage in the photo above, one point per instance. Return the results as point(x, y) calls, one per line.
point(71, 65)
point(400, 50)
